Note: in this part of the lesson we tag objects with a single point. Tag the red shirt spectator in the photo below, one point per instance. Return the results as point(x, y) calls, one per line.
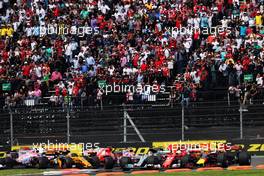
point(165, 71)
point(143, 67)
point(26, 69)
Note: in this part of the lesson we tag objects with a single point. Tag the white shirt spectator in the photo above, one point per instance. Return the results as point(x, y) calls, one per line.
point(251, 22)
point(41, 13)
point(74, 45)
point(222, 69)
point(61, 85)
point(167, 52)
point(127, 71)
point(170, 64)
point(68, 49)
point(103, 8)
point(224, 23)
point(245, 18)
point(193, 73)
point(75, 63)
point(190, 22)
point(36, 58)
point(70, 89)
point(196, 79)
point(134, 70)
point(90, 60)
point(111, 70)
point(239, 68)
point(29, 31)
point(259, 81)
point(196, 23)
point(38, 71)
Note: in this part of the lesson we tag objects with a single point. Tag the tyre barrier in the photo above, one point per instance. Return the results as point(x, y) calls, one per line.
point(209, 169)
point(240, 168)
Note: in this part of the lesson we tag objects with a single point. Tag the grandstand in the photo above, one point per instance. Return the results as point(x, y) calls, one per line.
point(62, 64)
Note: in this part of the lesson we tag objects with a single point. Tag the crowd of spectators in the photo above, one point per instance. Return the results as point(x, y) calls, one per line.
point(59, 48)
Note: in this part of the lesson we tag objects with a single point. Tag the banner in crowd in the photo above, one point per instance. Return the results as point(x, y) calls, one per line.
point(248, 78)
point(74, 148)
point(254, 147)
point(6, 86)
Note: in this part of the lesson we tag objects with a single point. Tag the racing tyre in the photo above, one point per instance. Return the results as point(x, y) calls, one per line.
point(109, 163)
point(43, 162)
point(222, 160)
point(124, 161)
point(185, 161)
point(14, 155)
point(94, 161)
point(160, 159)
point(9, 162)
point(2, 161)
point(152, 160)
point(68, 162)
point(244, 159)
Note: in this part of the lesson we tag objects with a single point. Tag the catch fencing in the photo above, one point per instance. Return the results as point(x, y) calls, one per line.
point(131, 123)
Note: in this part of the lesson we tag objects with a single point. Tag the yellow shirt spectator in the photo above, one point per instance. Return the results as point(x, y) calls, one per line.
point(3, 31)
point(258, 20)
point(149, 6)
point(10, 31)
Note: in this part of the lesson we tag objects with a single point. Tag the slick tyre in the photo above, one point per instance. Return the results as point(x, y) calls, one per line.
point(244, 159)
point(43, 163)
point(109, 163)
point(124, 162)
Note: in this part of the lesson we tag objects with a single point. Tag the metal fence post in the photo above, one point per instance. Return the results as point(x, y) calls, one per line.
point(101, 103)
point(241, 121)
point(11, 127)
point(182, 125)
point(125, 127)
point(171, 101)
point(228, 99)
point(68, 121)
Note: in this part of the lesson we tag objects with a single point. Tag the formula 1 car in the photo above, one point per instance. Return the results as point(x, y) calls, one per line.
point(152, 160)
point(65, 159)
point(24, 157)
point(101, 157)
point(175, 160)
point(222, 158)
point(200, 158)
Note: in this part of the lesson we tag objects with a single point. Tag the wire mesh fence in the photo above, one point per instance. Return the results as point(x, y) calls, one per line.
point(205, 120)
